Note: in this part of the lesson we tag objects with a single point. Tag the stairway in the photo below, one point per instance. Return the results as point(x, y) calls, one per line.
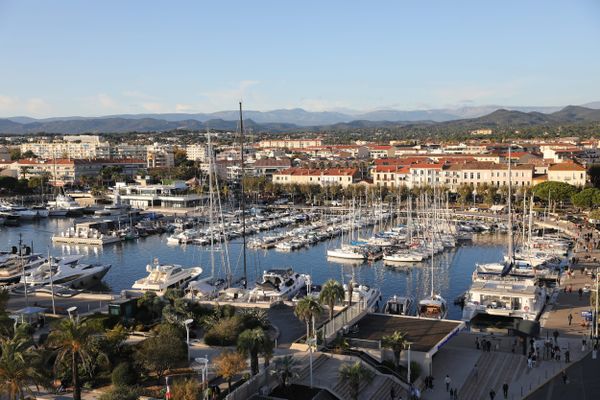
point(494, 369)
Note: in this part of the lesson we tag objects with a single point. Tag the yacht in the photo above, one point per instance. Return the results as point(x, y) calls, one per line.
point(67, 271)
point(361, 293)
point(403, 256)
point(64, 205)
point(433, 306)
point(515, 298)
point(278, 284)
point(398, 305)
point(23, 212)
point(14, 267)
point(348, 252)
point(41, 210)
point(165, 276)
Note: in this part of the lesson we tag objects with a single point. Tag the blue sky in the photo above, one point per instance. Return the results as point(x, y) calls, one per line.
point(62, 58)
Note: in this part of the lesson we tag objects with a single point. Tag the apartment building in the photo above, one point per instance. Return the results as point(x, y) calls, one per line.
point(568, 172)
point(425, 174)
point(384, 151)
point(480, 173)
point(269, 166)
point(159, 156)
point(196, 152)
point(76, 146)
point(322, 177)
point(290, 143)
point(68, 171)
point(391, 175)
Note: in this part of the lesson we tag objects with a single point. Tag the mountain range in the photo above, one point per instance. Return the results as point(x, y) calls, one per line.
point(299, 119)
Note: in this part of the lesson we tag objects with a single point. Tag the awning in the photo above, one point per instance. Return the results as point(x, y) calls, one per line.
point(30, 310)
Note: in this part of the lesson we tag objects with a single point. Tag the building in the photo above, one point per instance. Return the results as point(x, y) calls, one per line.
point(322, 177)
point(175, 195)
point(197, 152)
point(64, 171)
point(4, 153)
point(479, 173)
point(290, 143)
point(268, 166)
point(568, 172)
point(481, 132)
point(390, 175)
point(159, 156)
point(75, 146)
point(425, 174)
point(384, 151)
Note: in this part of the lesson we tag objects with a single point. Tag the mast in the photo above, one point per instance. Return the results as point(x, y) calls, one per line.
point(530, 220)
point(510, 230)
point(211, 207)
point(245, 277)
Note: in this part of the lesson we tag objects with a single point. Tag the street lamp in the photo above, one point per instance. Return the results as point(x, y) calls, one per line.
point(187, 323)
point(203, 368)
point(71, 311)
point(408, 375)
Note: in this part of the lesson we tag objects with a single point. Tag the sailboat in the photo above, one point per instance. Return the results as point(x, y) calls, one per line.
point(346, 250)
point(433, 306)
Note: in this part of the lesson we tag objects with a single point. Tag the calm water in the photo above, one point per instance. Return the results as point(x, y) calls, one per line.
point(452, 269)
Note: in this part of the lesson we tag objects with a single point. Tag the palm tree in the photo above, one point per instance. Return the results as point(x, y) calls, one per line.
point(354, 375)
point(18, 367)
point(306, 310)
point(285, 368)
point(252, 342)
point(229, 364)
point(395, 342)
point(72, 339)
point(331, 292)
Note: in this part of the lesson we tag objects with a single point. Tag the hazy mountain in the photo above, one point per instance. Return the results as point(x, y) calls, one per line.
point(381, 118)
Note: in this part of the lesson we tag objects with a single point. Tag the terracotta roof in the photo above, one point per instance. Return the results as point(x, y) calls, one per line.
point(566, 166)
point(273, 162)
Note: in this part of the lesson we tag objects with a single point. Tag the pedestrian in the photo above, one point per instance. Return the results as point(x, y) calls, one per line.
point(455, 394)
point(448, 382)
point(392, 393)
point(580, 293)
point(583, 344)
point(565, 378)
point(529, 362)
point(567, 356)
point(477, 342)
point(451, 393)
point(570, 318)
point(505, 390)
point(475, 372)
point(492, 394)
point(555, 335)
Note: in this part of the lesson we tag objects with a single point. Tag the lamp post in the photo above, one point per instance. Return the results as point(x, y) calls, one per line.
point(408, 375)
point(203, 361)
point(187, 323)
point(71, 311)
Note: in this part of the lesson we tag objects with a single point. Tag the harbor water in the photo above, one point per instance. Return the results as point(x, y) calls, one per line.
point(452, 269)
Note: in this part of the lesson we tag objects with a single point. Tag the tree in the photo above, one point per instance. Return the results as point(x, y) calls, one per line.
point(17, 369)
point(285, 369)
point(331, 292)
point(554, 191)
point(354, 375)
point(123, 375)
point(587, 198)
point(490, 195)
point(229, 364)
point(186, 389)
point(15, 153)
point(306, 310)
point(72, 340)
point(465, 192)
point(251, 342)
point(594, 174)
point(395, 342)
point(29, 154)
point(163, 351)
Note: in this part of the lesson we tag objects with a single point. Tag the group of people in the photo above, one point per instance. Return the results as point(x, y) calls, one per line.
point(483, 344)
point(452, 391)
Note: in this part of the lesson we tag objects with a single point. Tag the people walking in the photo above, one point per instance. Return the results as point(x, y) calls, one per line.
point(448, 382)
point(580, 291)
point(455, 394)
point(505, 390)
point(492, 394)
point(567, 356)
point(392, 393)
point(565, 378)
point(570, 318)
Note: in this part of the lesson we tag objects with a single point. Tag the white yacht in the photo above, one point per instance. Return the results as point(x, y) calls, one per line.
point(348, 252)
point(67, 271)
point(399, 305)
point(164, 276)
point(23, 212)
point(14, 266)
point(278, 284)
point(433, 306)
point(503, 297)
point(361, 293)
point(42, 211)
point(63, 205)
point(404, 256)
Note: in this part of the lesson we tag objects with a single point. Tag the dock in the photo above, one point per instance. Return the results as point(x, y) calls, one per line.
point(100, 241)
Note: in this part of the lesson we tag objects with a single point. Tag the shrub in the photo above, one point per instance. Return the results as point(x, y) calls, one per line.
point(120, 393)
point(224, 332)
point(123, 375)
point(415, 371)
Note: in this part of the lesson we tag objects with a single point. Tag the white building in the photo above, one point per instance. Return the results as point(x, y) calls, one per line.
point(197, 152)
point(159, 156)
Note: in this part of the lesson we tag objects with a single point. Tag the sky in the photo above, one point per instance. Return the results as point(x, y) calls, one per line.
point(65, 58)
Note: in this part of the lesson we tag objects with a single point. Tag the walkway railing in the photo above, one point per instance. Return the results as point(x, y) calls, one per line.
point(344, 319)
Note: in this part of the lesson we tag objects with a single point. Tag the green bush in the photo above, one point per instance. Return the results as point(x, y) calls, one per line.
point(120, 393)
point(224, 332)
point(123, 375)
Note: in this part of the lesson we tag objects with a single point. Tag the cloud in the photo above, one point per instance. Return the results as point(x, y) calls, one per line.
point(37, 106)
point(7, 103)
point(153, 107)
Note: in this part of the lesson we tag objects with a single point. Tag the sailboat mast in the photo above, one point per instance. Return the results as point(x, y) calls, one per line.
point(211, 206)
point(245, 278)
point(510, 227)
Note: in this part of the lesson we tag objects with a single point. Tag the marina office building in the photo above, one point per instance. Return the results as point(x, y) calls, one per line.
point(174, 195)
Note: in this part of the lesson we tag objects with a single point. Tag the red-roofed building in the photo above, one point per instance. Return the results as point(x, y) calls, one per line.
point(322, 177)
point(390, 175)
point(568, 172)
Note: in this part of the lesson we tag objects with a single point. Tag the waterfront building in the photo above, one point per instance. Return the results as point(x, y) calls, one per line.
point(174, 195)
point(568, 172)
point(322, 177)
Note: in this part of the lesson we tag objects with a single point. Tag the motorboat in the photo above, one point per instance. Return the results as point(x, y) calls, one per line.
point(67, 271)
point(278, 284)
point(166, 276)
point(64, 205)
point(23, 212)
point(356, 293)
point(41, 210)
point(434, 306)
point(399, 305)
point(515, 298)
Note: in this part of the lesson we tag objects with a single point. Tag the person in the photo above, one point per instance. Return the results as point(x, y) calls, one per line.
point(580, 293)
point(455, 394)
point(570, 318)
point(451, 393)
point(392, 393)
point(492, 394)
point(448, 382)
point(529, 362)
point(565, 378)
point(475, 372)
point(583, 344)
point(505, 390)
point(567, 356)
point(477, 342)
point(555, 335)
